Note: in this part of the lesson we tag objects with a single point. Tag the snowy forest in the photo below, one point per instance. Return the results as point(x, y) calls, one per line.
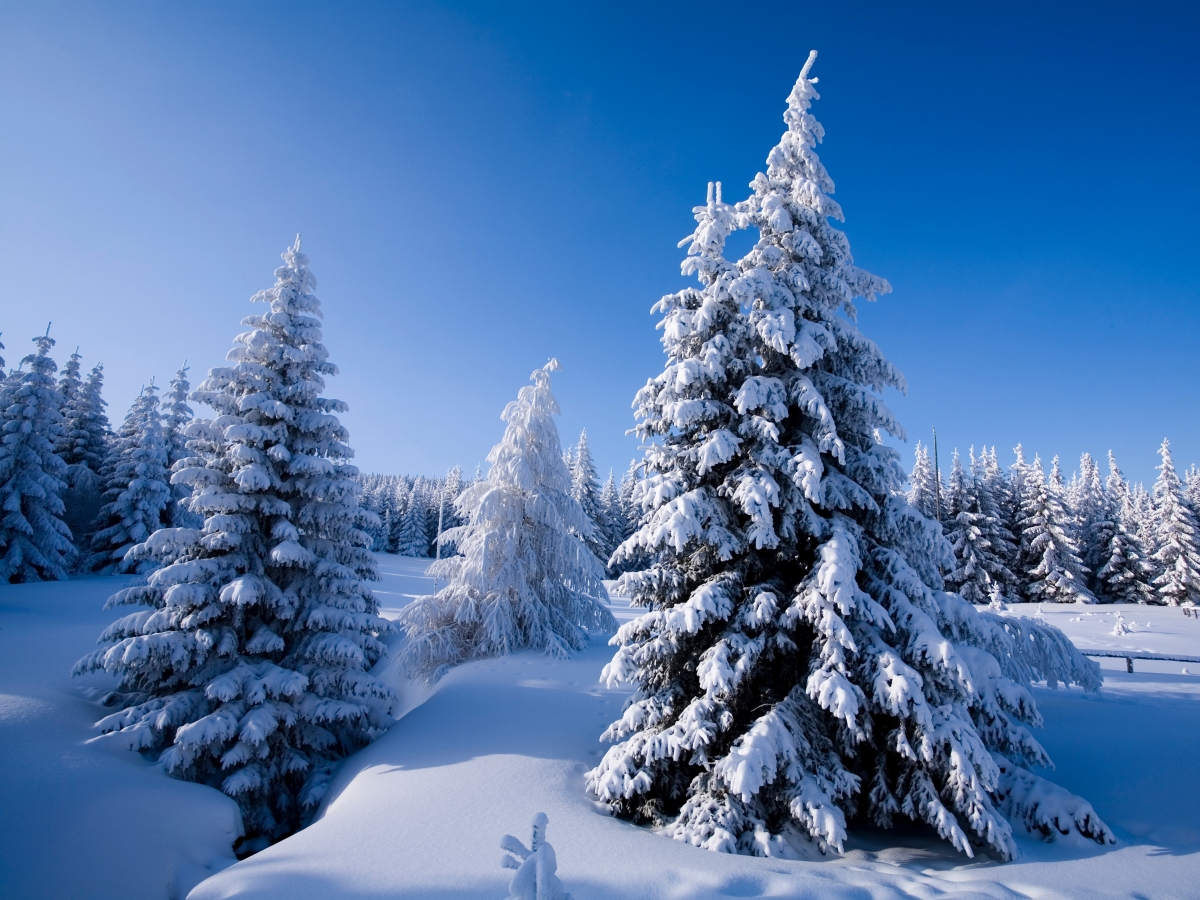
point(808, 642)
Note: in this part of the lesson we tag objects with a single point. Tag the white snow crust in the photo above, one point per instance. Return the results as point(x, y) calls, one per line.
point(418, 814)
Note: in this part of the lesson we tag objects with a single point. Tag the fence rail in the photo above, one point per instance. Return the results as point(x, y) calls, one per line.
point(1130, 655)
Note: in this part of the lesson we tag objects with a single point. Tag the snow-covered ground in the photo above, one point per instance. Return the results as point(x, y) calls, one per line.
point(420, 813)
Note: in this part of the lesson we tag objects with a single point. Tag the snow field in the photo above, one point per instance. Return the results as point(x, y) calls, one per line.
point(81, 816)
point(419, 814)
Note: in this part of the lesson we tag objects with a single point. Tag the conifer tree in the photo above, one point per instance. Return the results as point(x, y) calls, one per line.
point(86, 425)
point(612, 515)
point(138, 491)
point(1176, 554)
point(1122, 575)
point(69, 383)
point(86, 447)
point(991, 489)
point(1055, 571)
point(250, 668)
point(413, 539)
point(975, 566)
point(923, 487)
point(629, 506)
point(35, 543)
point(525, 578)
point(783, 677)
point(585, 490)
point(176, 416)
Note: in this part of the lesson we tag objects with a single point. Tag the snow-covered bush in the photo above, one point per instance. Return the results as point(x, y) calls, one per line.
point(800, 666)
point(536, 866)
point(249, 666)
point(525, 577)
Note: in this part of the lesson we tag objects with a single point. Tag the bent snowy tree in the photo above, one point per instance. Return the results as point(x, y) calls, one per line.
point(250, 664)
point(801, 666)
point(526, 578)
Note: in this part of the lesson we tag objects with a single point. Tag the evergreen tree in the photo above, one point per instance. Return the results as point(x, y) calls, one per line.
point(413, 539)
point(991, 488)
point(1176, 554)
point(1055, 570)
point(176, 416)
point(1097, 518)
point(69, 383)
point(1122, 575)
point(525, 579)
point(783, 673)
point(923, 491)
point(632, 513)
point(35, 543)
point(87, 445)
point(86, 425)
point(975, 566)
point(1018, 479)
point(585, 490)
point(251, 666)
point(138, 492)
point(612, 515)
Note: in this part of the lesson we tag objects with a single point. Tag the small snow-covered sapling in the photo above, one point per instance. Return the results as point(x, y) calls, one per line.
point(535, 878)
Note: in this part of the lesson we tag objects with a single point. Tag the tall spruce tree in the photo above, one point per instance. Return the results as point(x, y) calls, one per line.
point(1123, 572)
point(585, 490)
point(923, 490)
point(176, 416)
point(250, 668)
point(525, 578)
point(1176, 551)
point(139, 491)
point(86, 447)
point(970, 527)
point(1054, 569)
point(35, 542)
point(413, 538)
point(783, 673)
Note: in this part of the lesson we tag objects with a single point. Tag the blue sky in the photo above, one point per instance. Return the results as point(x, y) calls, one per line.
point(483, 186)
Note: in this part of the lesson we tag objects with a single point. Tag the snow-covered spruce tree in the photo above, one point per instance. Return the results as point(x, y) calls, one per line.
point(35, 543)
point(86, 425)
point(800, 665)
point(1097, 518)
point(251, 664)
point(413, 537)
point(176, 416)
point(923, 490)
point(991, 491)
point(1055, 571)
point(525, 578)
point(138, 495)
point(975, 565)
point(612, 514)
point(1123, 571)
point(1176, 553)
point(585, 490)
point(69, 383)
point(87, 444)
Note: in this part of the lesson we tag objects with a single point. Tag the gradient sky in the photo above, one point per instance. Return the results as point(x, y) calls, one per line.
point(483, 186)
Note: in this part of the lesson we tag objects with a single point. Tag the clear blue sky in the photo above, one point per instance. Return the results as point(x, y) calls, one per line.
point(482, 186)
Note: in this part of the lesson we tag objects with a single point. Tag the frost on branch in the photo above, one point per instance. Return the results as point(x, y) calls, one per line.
point(525, 577)
point(246, 662)
point(800, 667)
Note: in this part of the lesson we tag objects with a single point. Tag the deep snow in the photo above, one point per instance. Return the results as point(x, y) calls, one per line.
point(420, 813)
